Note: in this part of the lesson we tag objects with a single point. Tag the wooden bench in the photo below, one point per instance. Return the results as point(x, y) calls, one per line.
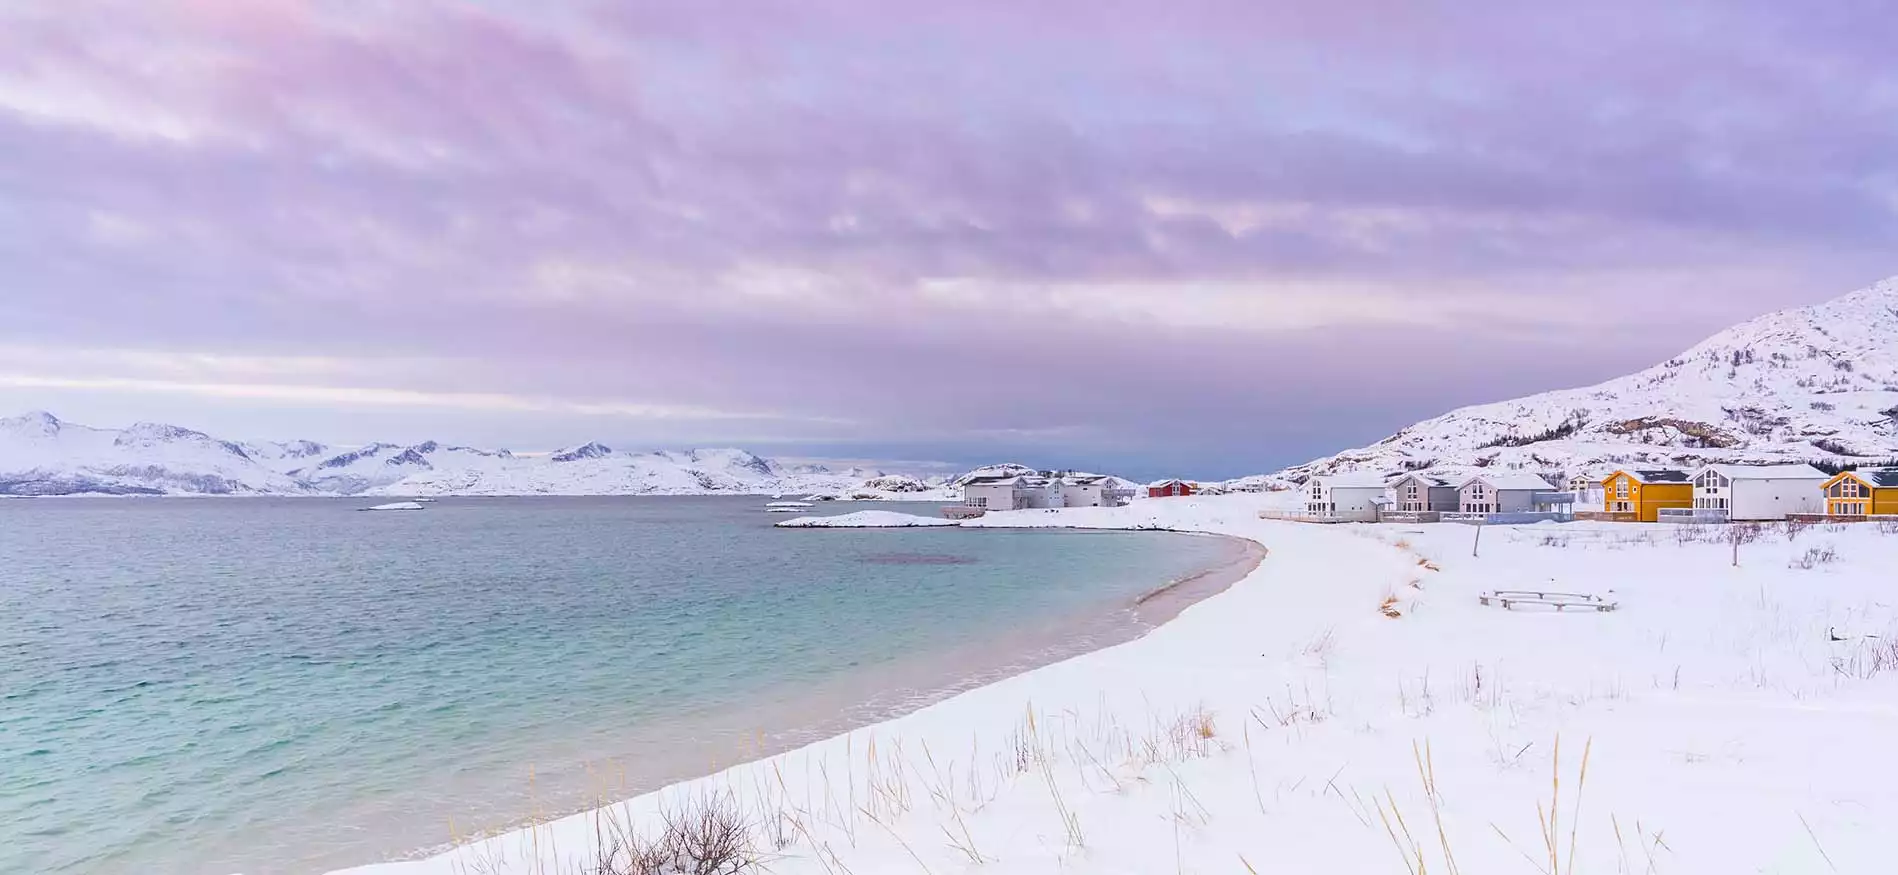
point(1561, 601)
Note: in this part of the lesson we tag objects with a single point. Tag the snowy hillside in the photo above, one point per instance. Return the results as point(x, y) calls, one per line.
point(1809, 384)
point(41, 455)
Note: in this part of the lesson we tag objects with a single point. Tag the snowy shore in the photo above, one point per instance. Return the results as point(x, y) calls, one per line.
point(1729, 719)
point(865, 519)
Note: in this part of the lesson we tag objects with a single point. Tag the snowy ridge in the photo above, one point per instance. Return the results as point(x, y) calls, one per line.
point(42, 455)
point(1816, 383)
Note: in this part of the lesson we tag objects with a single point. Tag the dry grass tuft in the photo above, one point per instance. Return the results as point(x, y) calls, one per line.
point(1388, 607)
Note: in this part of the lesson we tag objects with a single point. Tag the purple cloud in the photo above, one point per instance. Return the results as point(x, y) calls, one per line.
point(962, 219)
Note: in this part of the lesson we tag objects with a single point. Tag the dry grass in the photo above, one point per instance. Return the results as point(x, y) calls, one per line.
point(1388, 607)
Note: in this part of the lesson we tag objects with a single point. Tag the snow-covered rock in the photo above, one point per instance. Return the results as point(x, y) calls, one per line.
point(1815, 383)
point(396, 505)
point(865, 519)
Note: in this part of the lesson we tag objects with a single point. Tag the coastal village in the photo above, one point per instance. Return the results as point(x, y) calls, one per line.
point(1718, 493)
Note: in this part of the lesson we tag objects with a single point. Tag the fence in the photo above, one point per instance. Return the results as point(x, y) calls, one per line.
point(1312, 516)
point(1693, 515)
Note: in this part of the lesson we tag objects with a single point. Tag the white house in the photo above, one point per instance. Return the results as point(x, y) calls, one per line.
point(1589, 489)
point(1354, 497)
point(1756, 492)
point(1091, 490)
point(1504, 492)
point(1043, 490)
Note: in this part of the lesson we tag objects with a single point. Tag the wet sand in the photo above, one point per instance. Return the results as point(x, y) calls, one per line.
point(695, 743)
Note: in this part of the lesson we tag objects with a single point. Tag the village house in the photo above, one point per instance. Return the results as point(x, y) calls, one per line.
point(1091, 490)
point(1171, 488)
point(1419, 497)
point(1869, 492)
point(1047, 489)
point(1734, 493)
point(1588, 488)
point(1355, 497)
point(1642, 494)
point(1513, 496)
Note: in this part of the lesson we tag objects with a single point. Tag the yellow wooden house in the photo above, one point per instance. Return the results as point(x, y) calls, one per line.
point(1646, 491)
point(1869, 492)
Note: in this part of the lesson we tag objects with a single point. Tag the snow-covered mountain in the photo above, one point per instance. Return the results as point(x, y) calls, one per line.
point(41, 455)
point(1816, 383)
point(596, 469)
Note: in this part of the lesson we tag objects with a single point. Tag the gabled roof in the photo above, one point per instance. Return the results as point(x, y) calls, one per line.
point(1883, 478)
point(1510, 480)
point(1158, 484)
point(1429, 478)
point(1352, 480)
point(1765, 472)
point(1652, 475)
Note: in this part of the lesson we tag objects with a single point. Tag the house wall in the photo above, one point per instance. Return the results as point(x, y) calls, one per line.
point(1356, 501)
point(1517, 500)
point(1774, 499)
point(1084, 495)
point(1655, 496)
point(1000, 497)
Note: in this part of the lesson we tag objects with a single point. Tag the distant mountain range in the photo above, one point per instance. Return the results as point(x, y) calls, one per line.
point(1814, 384)
point(42, 455)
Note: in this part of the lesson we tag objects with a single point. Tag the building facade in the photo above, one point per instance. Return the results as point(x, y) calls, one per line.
point(1736, 493)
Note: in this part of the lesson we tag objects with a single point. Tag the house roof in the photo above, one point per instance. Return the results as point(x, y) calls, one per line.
point(1352, 480)
point(1159, 483)
point(1429, 478)
point(1765, 472)
point(1652, 475)
point(1883, 478)
point(1510, 480)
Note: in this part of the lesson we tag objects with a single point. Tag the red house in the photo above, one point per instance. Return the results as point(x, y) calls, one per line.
point(1169, 488)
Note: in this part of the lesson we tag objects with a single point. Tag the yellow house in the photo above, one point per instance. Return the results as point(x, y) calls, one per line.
point(1859, 493)
point(1645, 492)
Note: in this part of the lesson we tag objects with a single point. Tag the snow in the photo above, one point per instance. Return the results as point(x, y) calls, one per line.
point(1724, 719)
point(864, 519)
point(1807, 384)
point(397, 505)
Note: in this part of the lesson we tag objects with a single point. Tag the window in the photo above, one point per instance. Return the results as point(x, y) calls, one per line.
point(980, 501)
point(1624, 507)
point(1621, 488)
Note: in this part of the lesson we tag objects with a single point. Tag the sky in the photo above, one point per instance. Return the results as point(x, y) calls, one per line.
point(1199, 237)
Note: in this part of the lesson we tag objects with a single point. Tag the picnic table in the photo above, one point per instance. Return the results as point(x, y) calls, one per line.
point(1561, 601)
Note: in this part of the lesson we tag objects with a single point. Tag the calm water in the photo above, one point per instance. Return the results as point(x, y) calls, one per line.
point(214, 686)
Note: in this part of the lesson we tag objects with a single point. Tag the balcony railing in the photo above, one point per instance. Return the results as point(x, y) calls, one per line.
point(1694, 515)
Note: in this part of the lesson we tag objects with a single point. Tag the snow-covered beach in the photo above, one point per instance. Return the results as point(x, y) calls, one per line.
point(1350, 707)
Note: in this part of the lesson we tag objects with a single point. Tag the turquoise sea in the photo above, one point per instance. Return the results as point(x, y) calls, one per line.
point(209, 686)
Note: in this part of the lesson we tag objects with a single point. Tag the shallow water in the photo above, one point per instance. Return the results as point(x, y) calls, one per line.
point(288, 686)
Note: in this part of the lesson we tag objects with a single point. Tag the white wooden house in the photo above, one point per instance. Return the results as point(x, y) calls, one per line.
point(1354, 497)
point(1731, 493)
point(1508, 493)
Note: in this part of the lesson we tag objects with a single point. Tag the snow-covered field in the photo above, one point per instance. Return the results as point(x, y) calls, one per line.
point(1350, 707)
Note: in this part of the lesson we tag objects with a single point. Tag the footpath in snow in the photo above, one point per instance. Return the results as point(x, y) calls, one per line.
point(1350, 707)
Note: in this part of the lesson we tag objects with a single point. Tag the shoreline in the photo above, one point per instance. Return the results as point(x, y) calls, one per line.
point(1031, 649)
